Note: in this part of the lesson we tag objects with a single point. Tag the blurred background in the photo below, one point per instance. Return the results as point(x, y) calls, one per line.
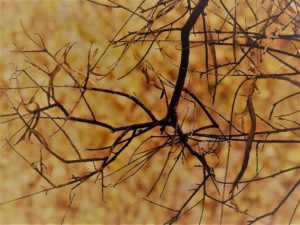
point(60, 22)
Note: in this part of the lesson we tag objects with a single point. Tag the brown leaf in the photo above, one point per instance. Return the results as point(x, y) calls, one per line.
point(50, 85)
point(212, 87)
point(145, 72)
point(290, 8)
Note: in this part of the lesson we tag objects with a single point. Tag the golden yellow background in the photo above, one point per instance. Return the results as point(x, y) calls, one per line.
point(67, 21)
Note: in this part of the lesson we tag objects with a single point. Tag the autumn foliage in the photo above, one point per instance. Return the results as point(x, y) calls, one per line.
point(148, 111)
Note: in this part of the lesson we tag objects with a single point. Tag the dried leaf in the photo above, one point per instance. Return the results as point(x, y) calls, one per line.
point(37, 118)
point(50, 85)
point(212, 87)
point(145, 72)
point(250, 138)
point(290, 8)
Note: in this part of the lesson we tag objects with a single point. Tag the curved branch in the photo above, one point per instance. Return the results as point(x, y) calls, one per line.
point(185, 53)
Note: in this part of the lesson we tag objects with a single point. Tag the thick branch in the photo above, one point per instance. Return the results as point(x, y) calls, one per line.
point(185, 52)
